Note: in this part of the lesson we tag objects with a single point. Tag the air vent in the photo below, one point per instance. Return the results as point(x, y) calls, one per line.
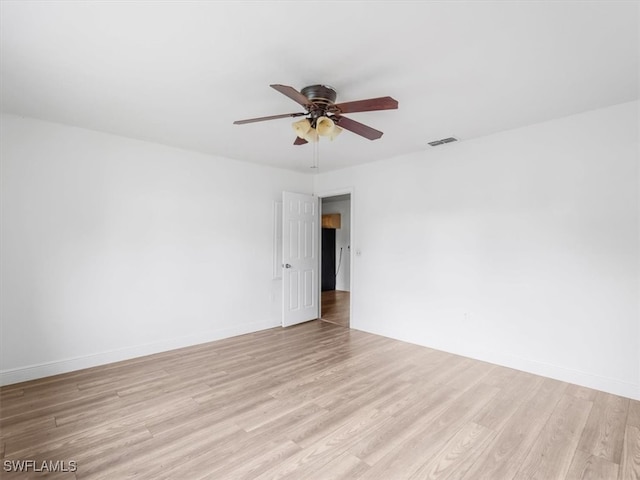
point(435, 143)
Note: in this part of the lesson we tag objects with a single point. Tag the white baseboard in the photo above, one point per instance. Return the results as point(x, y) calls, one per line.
point(577, 377)
point(32, 372)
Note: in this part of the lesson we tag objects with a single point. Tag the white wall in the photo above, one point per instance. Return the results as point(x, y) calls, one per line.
point(343, 240)
point(113, 248)
point(520, 248)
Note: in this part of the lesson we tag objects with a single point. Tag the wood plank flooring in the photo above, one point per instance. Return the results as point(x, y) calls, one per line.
point(317, 401)
point(335, 307)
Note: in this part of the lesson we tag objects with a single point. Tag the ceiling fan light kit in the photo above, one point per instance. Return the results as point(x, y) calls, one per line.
point(324, 127)
point(323, 117)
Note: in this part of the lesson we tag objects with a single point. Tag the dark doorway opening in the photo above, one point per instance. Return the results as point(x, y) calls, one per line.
point(328, 259)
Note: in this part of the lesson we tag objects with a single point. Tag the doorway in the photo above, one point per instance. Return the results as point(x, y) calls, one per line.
point(335, 248)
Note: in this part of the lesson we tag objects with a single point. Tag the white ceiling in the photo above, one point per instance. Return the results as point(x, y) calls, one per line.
point(179, 73)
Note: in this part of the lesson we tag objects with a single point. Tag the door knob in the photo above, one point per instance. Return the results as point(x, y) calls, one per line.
point(286, 265)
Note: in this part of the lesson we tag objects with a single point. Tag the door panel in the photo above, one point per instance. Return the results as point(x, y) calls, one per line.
point(300, 258)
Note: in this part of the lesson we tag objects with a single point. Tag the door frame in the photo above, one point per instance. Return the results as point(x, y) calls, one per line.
point(334, 193)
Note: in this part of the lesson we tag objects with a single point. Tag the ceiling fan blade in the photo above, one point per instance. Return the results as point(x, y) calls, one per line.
point(357, 127)
point(272, 117)
point(292, 93)
point(369, 105)
point(300, 141)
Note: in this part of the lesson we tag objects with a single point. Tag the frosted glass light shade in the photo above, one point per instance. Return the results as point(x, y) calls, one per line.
point(335, 132)
point(325, 126)
point(311, 135)
point(301, 127)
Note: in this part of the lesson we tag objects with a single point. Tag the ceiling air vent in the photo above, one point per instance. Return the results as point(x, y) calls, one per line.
point(435, 143)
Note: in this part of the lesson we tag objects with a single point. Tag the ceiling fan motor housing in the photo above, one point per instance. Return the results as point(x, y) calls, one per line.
point(320, 94)
point(322, 98)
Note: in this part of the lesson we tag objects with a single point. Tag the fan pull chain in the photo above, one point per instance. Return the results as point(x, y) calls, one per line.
point(316, 154)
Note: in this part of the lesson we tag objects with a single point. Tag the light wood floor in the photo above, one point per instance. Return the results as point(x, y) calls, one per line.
point(335, 307)
point(318, 401)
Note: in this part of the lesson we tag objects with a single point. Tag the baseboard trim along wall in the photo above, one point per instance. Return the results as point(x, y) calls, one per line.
point(32, 372)
point(577, 377)
point(556, 372)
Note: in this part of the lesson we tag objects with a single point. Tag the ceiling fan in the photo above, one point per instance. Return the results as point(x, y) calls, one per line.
point(323, 117)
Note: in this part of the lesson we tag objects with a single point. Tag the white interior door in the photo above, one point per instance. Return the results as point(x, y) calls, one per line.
point(299, 258)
